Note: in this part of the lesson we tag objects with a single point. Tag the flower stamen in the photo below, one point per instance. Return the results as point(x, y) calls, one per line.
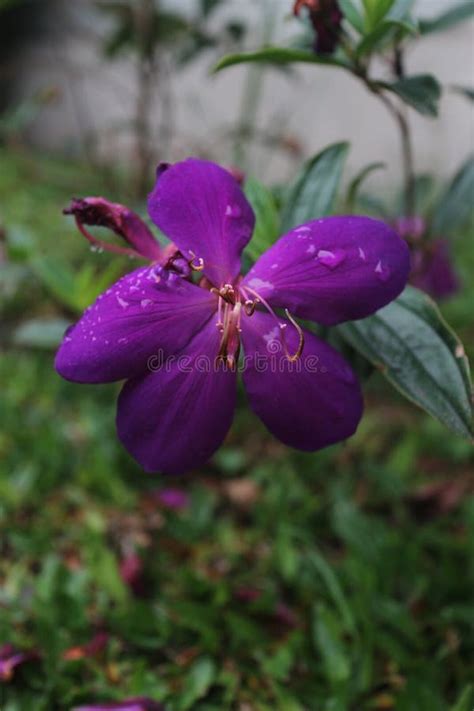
point(282, 326)
point(196, 263)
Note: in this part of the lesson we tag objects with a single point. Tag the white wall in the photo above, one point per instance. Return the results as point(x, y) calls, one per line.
point(317, 105)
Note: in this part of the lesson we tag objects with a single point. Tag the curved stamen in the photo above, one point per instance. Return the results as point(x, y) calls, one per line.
point(299, 350)
point(281, 326)
point(196, 267)
point(250, 306)
point(102, 245)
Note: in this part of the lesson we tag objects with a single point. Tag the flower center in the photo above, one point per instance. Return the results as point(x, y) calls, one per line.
point(233, 303)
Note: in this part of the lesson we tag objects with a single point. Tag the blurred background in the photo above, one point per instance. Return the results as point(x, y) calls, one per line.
point(269, 579)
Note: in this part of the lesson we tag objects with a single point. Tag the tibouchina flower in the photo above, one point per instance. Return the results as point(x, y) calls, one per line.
point(432, 267)
point(178, 342)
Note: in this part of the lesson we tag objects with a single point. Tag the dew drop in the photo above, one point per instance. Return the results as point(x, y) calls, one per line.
point(362, 254)
point(257, 284)
point(233, 211)
point(122, 302)
point(311, 249)
point(382, 271)
point(331, 259)
point(145, 302)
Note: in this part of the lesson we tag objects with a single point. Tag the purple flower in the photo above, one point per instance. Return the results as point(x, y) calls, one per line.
point(431, 261)
point(433, 270)
point(326, 18)
point(136, 704)
point(11, 658)
point(175, 499)
point(178, 342)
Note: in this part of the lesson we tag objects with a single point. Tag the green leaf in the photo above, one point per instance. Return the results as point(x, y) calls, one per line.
point(267, 225)
point(41, 333)
point(417, 351)
point(455, 207)
point(386, 31)
point(334, 588)
point(327, 639)
point(466, 91)
point(197, 683)
point(421, 91)
point(357, 182)
point(465, 702)
point(279, 55)
point(447, 19)
point(314, 192)
point(375, 11)
point(352, 14)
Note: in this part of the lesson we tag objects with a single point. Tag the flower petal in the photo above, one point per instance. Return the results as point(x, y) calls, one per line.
point(136, 319)
point(308, 404)
point(174, 419)
point(118, 218)
point(202, 209)
point(334, 269)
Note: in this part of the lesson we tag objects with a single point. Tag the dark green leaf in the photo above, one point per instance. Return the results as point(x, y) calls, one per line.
point(466, 91)
point(267, 219)
point(328, 642)
point(357, 182)
point(456, 205)
point(465, 701)
point(422, 92)
point(208, 6)
point(278, 55)
point(417, 351)
point(334, 588)
point(197, 683)
point(449, 18)
point(314, 192)
point(385, 32)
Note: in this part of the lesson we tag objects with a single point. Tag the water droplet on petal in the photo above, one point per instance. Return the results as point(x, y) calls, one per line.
point(382, 271)
point(122, 302)
point(145, 302)
point(362, 254)
point(331, 259)
point(233, 211)
point(257, 284)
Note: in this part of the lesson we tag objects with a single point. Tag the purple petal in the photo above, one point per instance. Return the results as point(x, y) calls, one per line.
point(11, 658)
point(118, 218)
point(433, 270)
point(309, 404)
point(202, 209)
point(138, 318)
point(136, 704)
point(175, 499)
point(174, 420)
point(332, 270)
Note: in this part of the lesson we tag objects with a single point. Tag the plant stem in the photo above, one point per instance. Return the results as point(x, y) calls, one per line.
point(404, 127)
point(407, 154)
point(146, 71)
point(252, 94)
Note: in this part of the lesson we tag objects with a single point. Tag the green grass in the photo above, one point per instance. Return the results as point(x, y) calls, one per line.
point(365, 586)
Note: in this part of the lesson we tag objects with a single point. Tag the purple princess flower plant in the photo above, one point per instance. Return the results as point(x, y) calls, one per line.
point(177, 341)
